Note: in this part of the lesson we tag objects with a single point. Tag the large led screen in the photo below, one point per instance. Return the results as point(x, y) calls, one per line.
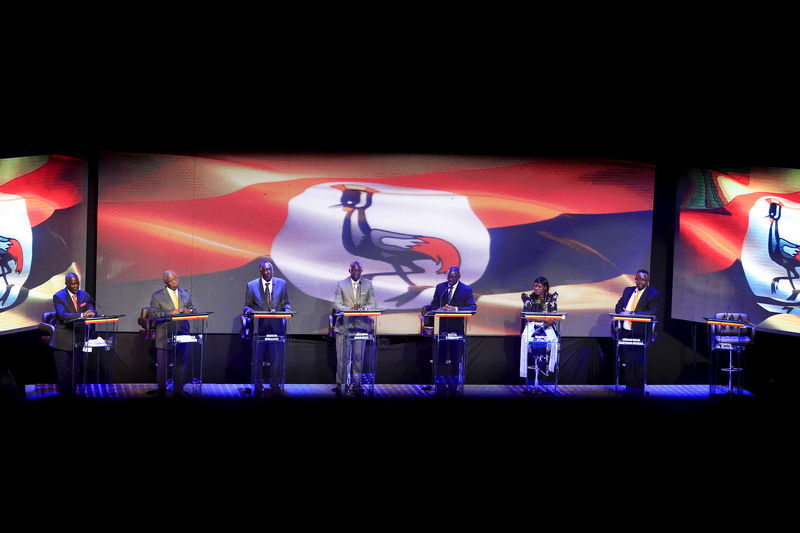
point(737, 248)
point(583, 224)
point(42, 234)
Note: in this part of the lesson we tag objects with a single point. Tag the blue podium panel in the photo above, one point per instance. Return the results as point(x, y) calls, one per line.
point(268, 362)
point(360, 331)
point(633, 334)
point(542, 334)
point(728, 341)
point(93, 339)
point(186, 344)
point(450, 351)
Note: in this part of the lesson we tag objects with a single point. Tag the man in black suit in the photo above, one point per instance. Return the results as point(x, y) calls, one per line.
point(641, 300)
point(267, 293)
point(452, 295)
point(69, 303)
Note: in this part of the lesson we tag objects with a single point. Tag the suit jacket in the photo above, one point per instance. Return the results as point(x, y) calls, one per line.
point(344, 299)
point(65, 311)
point(462, 299)
point(254, 300)
point(649, 304)
point(160, 306)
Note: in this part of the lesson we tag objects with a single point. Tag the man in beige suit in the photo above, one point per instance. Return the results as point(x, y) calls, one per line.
point(352, 293)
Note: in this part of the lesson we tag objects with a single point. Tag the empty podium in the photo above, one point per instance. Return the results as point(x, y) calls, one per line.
point(634, 344)
point(270, 331)
point(360, 331)
point(543, 352)
point(450, 350)
point(731, 333)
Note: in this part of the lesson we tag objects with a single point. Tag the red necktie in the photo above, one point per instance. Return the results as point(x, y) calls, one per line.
point(75, 301)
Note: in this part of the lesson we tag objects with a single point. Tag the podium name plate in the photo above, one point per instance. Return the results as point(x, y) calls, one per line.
point(541, 317)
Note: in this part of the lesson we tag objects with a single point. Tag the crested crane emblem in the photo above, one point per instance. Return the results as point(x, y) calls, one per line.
point(15, 248)
point(405, 238)
point(400, 251)
point(771, 255)
point(781, 251)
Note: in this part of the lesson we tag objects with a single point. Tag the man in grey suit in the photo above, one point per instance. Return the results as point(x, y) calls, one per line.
point(352, 293)
point(69, 303)
point(169, 301)
point(267, 293)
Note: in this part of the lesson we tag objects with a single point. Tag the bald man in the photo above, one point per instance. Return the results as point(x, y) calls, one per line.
point(169, 301)
point(69, 303)
point(352, 293)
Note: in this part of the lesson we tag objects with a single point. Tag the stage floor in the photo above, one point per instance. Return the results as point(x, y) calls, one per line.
point(323, 391)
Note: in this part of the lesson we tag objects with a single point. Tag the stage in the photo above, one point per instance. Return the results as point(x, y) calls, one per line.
point(396, 392)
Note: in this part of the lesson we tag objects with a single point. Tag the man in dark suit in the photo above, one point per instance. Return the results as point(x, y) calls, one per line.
point(169, 301)
point(452, 295)
point(641, 300)
point(352, 293)
point(69, 303)
point(267, 293)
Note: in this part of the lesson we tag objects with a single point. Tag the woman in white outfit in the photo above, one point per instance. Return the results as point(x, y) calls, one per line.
point(539, 301)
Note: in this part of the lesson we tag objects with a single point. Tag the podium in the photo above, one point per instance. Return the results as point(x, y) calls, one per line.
point(91, 337)
point(359, 328)
point(270, 331)
point(186, 335)
point(450, 351)
point(732, 335)
point(630, 350)
point(544, 346)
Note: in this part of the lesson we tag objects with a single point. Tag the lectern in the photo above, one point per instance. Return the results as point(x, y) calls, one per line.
point(360, 330)
point(731, 332)
point(186, 335)
point(270, 331)
point(450, 351)
point(544, 346)
point(92, 337)
point(630, 349)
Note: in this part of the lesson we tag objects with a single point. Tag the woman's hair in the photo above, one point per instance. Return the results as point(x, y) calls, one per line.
point(543, 281)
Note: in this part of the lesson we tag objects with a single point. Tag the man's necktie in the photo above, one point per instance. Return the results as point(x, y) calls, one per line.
point(448, 295)
point(175, 301)
point(75, 301)
point(637, 294)
point(267, 297)
point(636, 300)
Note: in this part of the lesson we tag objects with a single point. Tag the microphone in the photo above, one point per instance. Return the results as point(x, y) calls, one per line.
point(554, 296)
point(525, 297)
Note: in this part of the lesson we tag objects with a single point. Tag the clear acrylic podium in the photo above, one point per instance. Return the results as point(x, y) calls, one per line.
point(543, 352)
point(640, 337)
point(450, 351)
point(92, 337)
point(268, 361)
point(727, 370)
point(360, 330)
point(186, 336)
